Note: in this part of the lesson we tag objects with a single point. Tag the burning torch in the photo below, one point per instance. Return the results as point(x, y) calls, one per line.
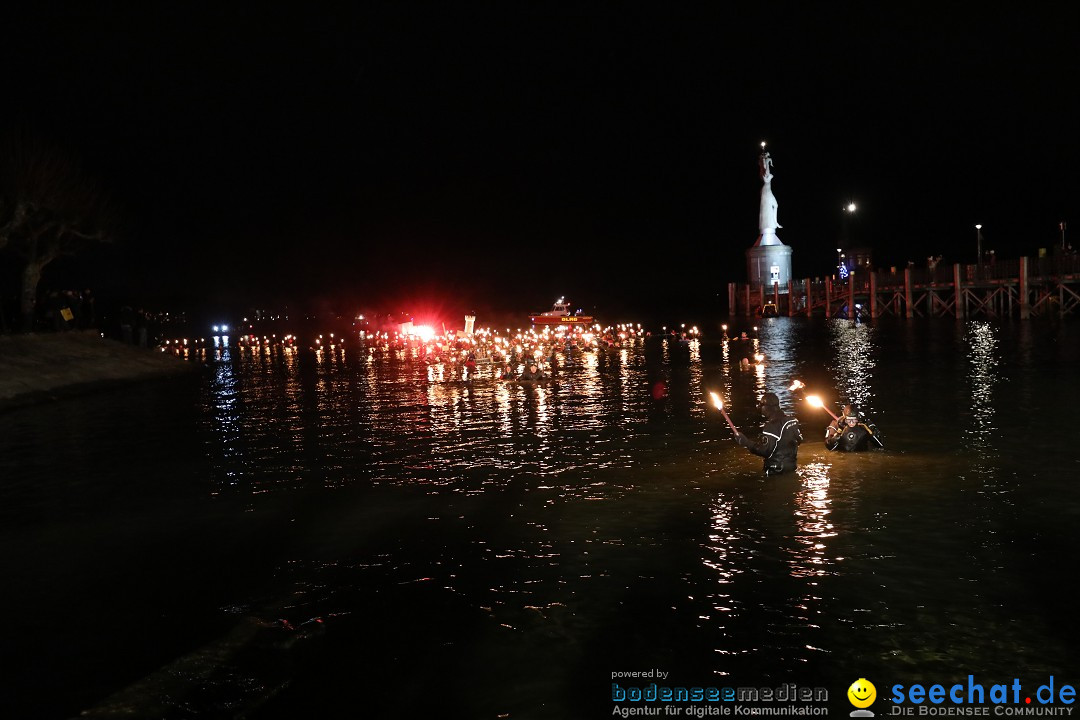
point(720, 406)
point(816, 402)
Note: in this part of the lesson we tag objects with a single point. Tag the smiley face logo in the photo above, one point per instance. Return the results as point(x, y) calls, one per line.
point(862, 693)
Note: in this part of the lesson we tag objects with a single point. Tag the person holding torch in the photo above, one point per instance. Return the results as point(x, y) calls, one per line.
point(780, 436)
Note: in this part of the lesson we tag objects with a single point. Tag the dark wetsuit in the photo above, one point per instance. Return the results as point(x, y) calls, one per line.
point(861, 436)
point(528, 376)
point(778, 444)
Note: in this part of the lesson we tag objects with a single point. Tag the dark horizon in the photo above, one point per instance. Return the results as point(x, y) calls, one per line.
point(500, 159)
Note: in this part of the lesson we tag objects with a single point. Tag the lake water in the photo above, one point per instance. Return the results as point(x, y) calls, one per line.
point(337, 535)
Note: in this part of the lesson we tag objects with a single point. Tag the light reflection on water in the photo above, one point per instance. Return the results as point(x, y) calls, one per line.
point(853, 364)
point(981, 339)
point(812, 503)
point(537, 538)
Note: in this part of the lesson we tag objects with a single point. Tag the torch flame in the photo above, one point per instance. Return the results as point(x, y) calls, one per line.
point(815, 401)
point(717, 401)
point(758, 357)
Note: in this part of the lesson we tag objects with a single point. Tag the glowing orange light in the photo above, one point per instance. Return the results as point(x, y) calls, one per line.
point(717, 401)
point(816, 402)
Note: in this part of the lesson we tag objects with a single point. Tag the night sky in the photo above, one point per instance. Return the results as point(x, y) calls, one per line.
point(496, 158)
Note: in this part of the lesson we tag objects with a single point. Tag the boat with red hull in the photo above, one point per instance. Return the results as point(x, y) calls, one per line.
point(560, 314)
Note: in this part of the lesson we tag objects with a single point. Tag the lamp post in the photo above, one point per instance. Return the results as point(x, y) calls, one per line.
point(845, 239)
point(849, 211)
point(978, 248)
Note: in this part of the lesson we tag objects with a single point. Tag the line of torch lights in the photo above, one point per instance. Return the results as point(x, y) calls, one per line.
point(425, 339)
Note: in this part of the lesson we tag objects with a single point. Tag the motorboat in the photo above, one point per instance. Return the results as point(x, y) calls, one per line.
point(560, 314)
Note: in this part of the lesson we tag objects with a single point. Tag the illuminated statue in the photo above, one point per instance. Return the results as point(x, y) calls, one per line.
point(768, 262)
point(765, 166)
point(767, 223)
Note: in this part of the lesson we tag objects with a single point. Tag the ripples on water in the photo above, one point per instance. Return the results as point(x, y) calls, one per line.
point(504, 549)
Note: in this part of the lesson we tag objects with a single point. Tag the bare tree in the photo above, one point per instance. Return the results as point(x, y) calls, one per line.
point(49, 208)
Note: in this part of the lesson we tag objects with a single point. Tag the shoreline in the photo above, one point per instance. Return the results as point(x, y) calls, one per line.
point(45, 367)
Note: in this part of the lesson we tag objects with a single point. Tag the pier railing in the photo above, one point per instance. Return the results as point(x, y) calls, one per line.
point(1023, 286)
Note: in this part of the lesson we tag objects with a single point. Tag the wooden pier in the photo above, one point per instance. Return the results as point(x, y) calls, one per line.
point(1024, 287)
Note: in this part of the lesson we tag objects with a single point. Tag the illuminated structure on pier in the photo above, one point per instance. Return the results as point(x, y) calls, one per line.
point(769, 260)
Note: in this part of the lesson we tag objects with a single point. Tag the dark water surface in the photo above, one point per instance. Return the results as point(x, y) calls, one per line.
point(337, 535)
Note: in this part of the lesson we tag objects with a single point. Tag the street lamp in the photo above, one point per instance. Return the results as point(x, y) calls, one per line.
point(849, 210)
point(978, 246)
point(845, 239)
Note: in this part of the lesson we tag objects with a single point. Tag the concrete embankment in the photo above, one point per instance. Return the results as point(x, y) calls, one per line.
point(45, 366)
